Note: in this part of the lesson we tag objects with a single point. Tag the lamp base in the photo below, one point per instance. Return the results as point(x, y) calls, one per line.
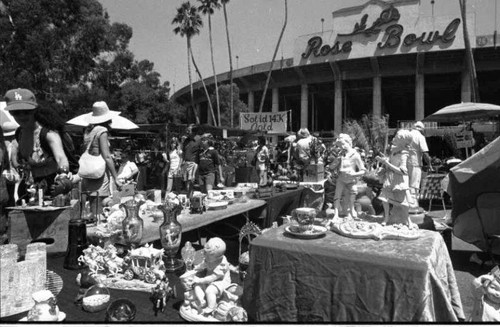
point(172, 264)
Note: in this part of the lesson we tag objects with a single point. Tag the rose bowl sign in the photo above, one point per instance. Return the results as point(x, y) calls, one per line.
point(270, 122)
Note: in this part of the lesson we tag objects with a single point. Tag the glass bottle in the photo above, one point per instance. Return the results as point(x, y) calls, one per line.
point(187, 253)
point(77, 242)
point(133, 225)
point(170, 236)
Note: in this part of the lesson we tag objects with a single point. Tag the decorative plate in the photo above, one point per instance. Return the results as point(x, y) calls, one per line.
point(316, 232)
point(61, 317)
point(54, 282)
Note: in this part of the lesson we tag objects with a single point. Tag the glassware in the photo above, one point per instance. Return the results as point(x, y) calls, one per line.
point(187, 253)
point(133, 225)
point(45, 308)
point(121, 310)
point(8, 254)
point(96, 298)
point(77, 242)
point(170, 236)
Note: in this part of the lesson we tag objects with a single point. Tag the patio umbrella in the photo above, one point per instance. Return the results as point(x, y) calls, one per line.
point(5, 116)
point(117, 122)
point(464, 111)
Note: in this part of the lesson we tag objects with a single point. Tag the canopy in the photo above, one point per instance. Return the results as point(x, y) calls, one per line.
point(471, 180)
point(464, 111)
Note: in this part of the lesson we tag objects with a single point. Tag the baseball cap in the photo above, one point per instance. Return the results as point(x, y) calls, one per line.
point(20, 99)
point(419, 125)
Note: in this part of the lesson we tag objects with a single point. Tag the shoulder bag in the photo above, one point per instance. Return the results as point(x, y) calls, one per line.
point(91, 167)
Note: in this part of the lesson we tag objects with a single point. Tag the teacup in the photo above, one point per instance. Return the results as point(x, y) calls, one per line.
point(304, 217)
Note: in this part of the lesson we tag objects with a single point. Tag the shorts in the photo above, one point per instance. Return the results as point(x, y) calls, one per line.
point(342, 187)
point(189, 170)
point(208, 179)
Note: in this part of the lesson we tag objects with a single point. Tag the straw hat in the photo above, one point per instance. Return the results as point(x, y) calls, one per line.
point(9, 128)
point(101, 113)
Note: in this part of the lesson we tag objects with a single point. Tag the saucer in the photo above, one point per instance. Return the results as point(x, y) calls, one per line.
point(61, 317)
point(316, 232)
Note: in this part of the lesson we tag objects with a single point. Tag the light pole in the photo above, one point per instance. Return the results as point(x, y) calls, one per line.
point(237, 66)
point(322, 21)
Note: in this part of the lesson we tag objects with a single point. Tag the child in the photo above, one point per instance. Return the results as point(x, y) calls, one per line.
point(396, 186)
point(350, 169)
point(218, 276)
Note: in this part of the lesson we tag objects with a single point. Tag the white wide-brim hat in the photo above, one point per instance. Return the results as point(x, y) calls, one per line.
point(101, 113)
point(9, 128)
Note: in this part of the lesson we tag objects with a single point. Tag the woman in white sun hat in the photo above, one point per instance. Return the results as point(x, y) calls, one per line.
point(96, 139)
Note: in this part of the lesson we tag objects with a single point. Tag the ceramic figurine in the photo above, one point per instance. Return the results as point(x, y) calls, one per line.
point(237, 314)
point(396, 188)
point(228, 300)
point(187, 283)
point(160, 295)
point(350, 169)
point(487, 306)
point(45, 308)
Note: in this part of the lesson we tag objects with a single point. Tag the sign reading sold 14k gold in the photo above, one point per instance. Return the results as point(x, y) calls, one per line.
point(271, 122)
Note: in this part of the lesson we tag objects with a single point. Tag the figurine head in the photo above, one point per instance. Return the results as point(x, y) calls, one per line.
point(214, 249)
point(345, 141)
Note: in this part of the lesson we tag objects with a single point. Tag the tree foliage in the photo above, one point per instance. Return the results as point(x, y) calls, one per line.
point(225, 104)
point(70, 55)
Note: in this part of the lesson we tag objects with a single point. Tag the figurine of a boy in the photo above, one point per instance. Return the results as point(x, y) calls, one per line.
point(350, 169)
point(218, 276)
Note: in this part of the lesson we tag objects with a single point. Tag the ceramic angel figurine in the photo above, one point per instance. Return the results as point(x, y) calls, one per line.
point(487, 306)
point(208, 289)
point(396, 188)
point(351, 168)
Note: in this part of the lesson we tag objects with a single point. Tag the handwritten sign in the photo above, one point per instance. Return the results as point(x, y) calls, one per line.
point(271, 122)
point(464, 139)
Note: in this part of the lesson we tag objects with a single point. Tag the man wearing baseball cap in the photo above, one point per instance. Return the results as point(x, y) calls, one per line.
point(418, 151)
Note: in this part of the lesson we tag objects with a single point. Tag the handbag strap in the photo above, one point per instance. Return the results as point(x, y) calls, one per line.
point(90, 143)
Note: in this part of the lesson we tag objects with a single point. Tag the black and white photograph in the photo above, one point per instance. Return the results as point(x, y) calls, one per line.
point(249, 161)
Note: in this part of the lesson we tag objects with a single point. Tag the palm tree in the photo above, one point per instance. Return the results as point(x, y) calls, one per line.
point(188, 24)
point(471, 66)
point(231, 104)
point(207, 8)
point(274, 57)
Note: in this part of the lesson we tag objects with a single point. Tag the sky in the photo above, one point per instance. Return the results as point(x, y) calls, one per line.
point(254, 28)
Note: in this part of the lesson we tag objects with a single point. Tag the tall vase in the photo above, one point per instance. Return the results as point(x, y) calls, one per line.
point(170, 236)
point(133, 225)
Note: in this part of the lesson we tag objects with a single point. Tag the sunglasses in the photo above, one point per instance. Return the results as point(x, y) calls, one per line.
point(21, 112)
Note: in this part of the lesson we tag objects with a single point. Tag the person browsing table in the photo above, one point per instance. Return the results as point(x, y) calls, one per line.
point(209, 164)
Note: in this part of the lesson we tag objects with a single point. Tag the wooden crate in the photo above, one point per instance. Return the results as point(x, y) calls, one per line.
point(314, 173)
point(50, 227)
point(19, 280)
